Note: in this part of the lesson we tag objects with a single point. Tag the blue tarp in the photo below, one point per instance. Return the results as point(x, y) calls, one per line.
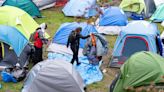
point(65, 29)
point(89, 73)
point(113, 16)
point(14, 38)
point(80, 7)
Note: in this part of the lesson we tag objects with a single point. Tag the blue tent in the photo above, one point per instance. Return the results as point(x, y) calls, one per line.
point(80, 7)
point(113, 16)
point(136, 36)
point(65, 29)
point(14, 38)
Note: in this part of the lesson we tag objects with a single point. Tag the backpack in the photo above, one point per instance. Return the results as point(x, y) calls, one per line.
point(72, 36)
point(32, 37)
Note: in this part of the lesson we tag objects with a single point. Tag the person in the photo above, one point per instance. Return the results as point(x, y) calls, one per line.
point(39, 40)
point(74, 41)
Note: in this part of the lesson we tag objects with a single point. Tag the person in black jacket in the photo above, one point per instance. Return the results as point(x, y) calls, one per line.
point(74, 41)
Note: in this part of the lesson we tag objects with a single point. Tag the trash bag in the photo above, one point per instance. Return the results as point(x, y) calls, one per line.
point(14, 74)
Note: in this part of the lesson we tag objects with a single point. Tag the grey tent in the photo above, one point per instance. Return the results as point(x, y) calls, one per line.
point(53, 76)
point(44, 4)
point(9, 57)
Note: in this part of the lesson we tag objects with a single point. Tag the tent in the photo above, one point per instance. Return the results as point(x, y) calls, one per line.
point(113, 16)
point(158, 2)
point(8, 33)
point(84, 8)
point(9, 57)
point(136, 36)
point(141, 69)
point(19, 19)
point(26, 5)
point(53, 76)
point(158, 14)
point(90, 73)
point(65, 29)
point(95, 47)
point(144, 7)
point(44, 4)
point(10, 36)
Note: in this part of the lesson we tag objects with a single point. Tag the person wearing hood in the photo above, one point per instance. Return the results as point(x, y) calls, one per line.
point(39, 40)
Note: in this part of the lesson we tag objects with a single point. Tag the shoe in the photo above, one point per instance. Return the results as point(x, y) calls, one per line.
point(78, 64)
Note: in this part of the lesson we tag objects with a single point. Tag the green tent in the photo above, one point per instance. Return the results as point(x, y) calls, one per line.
point(158, 14)
point(15, 17)
point(26, 5)
point(140, 69)
point(133, 5)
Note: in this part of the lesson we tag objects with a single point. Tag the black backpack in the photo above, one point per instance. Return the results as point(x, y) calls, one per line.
point(72, 36)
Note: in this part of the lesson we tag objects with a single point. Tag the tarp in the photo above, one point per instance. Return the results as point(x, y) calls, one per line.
point(90, 73)
point(141, 69)
point(14, 38)
point(44, 4)
point(61, 36)
point(26, 5)
point(158, 14)
point(95, 48)
point(113, 16)
point(19, 19)
point(141, 31)
point(84, 8)
point(53, 76)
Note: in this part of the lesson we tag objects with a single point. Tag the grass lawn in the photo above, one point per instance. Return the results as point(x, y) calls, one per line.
point(54, 18)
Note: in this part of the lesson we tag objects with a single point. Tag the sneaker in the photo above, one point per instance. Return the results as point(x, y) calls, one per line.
point(78, 64)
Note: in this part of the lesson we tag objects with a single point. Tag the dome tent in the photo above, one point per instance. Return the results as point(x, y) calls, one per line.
point(140, 8)
point(65, 29)
point(141, 69)
point(53, 76)
point(26, 5)
point(85, 8)
point(113, 16)
point(20, 47)
point(44, 4)
point(136, 36)
point(19, 19)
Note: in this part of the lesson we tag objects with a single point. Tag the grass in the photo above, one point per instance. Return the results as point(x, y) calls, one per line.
point(54, 18)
